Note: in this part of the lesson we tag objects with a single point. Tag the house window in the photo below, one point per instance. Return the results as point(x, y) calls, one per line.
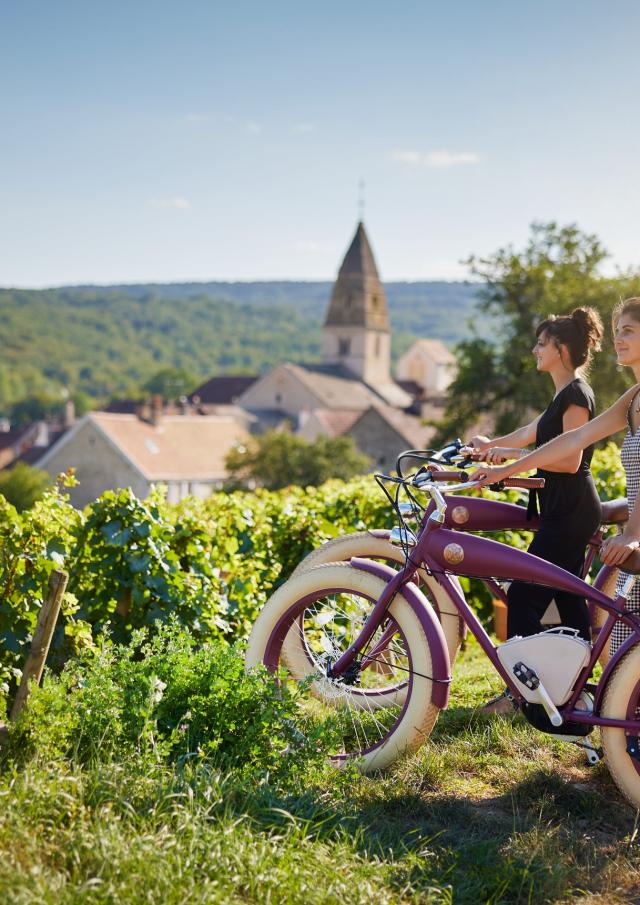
point(278, 398)
point(344, 347)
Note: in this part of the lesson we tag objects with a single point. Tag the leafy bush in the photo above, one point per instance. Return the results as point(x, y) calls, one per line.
point(169, 698)
point(22, 485)
point(209, 563)
point(278, 459)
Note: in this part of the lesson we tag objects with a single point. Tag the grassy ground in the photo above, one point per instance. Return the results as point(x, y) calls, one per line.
point(489, 811)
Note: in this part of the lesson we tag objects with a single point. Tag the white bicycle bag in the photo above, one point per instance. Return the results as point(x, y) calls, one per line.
point(557, 656)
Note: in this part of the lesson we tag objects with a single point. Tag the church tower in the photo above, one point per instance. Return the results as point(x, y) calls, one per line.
point(356, 331)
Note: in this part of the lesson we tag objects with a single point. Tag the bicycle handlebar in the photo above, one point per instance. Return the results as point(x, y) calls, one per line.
point(435, 476)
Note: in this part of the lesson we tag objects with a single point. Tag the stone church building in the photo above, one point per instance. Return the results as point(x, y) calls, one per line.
point(352, 391)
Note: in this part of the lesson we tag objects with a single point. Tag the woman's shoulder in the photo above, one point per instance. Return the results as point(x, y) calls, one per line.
point(578, 392)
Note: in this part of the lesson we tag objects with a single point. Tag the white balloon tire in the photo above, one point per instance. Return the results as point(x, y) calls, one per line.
point(419, 713)
point(621, 684)
point(368, 546)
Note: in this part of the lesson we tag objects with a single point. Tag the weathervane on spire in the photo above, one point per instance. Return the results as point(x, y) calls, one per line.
point(361, 200)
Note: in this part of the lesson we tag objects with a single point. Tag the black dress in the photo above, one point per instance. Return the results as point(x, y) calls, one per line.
point(570, 513)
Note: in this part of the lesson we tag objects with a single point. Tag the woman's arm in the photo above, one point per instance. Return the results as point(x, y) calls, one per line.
point(517, 439)
point(568, 444)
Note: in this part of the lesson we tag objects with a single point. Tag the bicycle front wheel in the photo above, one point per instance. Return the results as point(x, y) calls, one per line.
point(622, 701)
point(382, 708)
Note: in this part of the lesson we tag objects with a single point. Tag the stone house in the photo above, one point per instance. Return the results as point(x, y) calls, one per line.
point(429, 365)
point(109, 450)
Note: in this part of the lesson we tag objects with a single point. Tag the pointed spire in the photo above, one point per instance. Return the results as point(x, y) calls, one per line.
point(358, 297)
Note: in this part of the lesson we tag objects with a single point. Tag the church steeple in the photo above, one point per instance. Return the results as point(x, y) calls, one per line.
point(356, 330)
point(358, 297)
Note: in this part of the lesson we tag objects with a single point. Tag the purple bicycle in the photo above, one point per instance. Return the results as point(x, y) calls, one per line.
point(380, 668)
point(477, 514)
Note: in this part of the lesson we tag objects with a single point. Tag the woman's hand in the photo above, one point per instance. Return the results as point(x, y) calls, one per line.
point(495, 455)
point(487, 475)
point(479, 443)
point(617, 548)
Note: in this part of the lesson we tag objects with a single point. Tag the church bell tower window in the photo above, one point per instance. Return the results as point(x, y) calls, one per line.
point(344, 347)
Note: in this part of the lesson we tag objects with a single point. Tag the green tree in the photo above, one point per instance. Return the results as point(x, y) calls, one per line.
point(33, 408)
point(82, 403)
point(171, 383)
point(277, 459)
point(22, 485)
point(557, 271)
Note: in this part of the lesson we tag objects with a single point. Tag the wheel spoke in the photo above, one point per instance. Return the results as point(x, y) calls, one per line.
point(368, 702)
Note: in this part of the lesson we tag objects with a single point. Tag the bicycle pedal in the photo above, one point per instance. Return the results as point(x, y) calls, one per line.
point(594, 755)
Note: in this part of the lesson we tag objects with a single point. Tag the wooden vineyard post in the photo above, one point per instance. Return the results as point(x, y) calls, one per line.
point(47, 618)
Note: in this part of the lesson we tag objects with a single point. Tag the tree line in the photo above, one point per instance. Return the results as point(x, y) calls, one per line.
point(560, 268)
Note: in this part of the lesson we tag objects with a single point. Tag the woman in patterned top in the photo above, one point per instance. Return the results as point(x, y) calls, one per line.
point(623, 413)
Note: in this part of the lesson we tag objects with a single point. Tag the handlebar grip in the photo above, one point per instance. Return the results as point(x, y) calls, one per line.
point(524, 483)
point(448, 475)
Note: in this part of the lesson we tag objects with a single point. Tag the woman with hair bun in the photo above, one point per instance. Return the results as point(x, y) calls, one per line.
point(625, 412)
point(569, 506)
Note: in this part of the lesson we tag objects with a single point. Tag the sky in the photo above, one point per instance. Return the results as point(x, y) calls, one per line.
point(156, 141)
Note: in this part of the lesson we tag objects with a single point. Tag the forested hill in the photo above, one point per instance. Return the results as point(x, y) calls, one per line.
point(109, 340)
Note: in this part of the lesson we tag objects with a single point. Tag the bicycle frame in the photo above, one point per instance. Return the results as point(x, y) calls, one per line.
point(478, 514)
point(446, 554)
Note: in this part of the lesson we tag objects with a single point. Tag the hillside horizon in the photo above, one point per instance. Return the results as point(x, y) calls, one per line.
point(108, 340)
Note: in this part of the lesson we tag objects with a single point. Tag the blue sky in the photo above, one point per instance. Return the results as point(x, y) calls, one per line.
point(159, 141)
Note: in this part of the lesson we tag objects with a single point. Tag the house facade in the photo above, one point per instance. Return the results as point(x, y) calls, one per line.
point(186, 454)
point(429, 365)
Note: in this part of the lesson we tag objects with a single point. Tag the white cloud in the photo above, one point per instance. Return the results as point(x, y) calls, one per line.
point(303, 128)
point(437, 159)
point(253, 128)
point(177, 203)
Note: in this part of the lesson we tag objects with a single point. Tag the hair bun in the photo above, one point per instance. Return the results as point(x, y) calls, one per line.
point(589, 322)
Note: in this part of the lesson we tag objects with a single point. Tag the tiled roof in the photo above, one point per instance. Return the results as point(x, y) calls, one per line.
point(409, 427)
point(358, 299)
point(12, 437)
point(436, 350)
point(179, 447)
point(223, 390)
point(336, 421)
point(332, 391)
point(359, 258)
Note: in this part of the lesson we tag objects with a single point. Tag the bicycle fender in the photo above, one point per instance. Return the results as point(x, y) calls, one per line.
point(609, 668)
point(424, 611)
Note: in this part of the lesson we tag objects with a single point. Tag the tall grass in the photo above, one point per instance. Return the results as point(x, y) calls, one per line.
point(488, 812)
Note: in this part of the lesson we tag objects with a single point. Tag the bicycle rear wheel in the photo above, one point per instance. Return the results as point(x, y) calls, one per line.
point(372, 545)
point(383, 708)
